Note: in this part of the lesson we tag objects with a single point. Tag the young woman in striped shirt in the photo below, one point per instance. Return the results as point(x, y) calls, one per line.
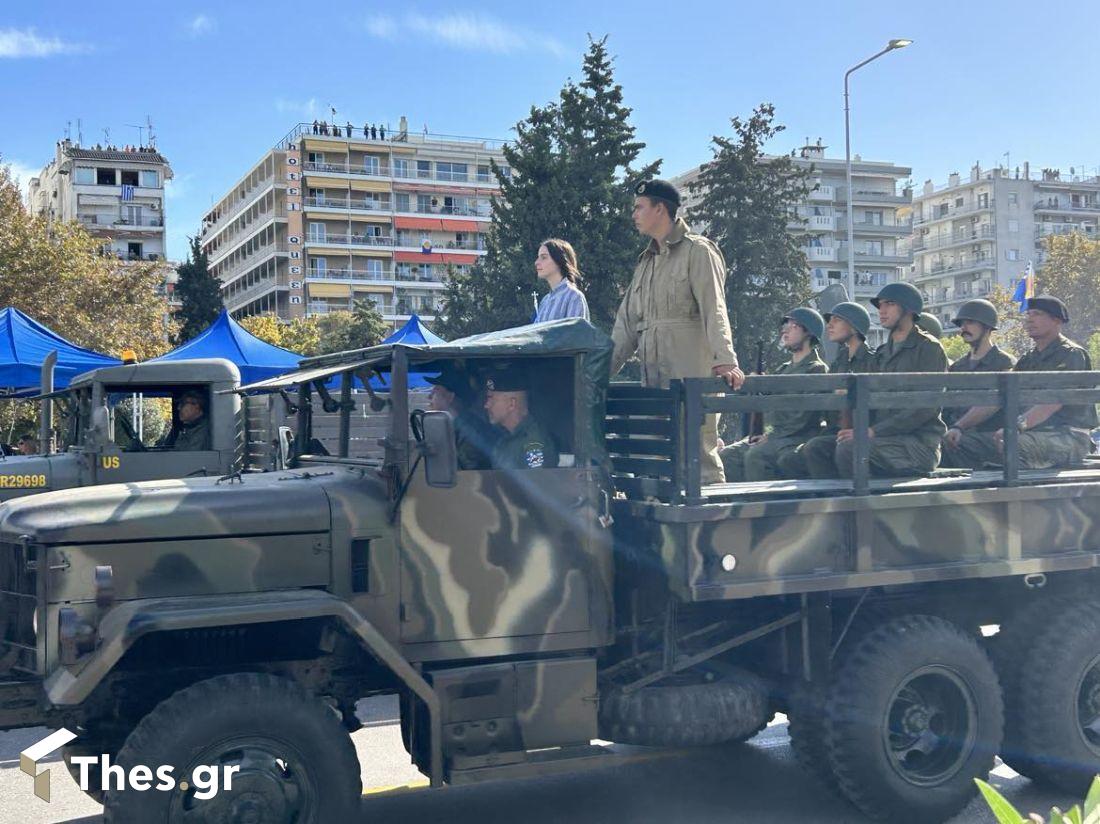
point(557, 265)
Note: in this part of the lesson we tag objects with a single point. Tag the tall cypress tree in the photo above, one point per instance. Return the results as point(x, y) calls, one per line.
point(571, 177)
point(745, 203)
point(199, 293)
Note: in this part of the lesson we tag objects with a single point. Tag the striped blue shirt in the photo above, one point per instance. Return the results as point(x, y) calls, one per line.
point(564, 301)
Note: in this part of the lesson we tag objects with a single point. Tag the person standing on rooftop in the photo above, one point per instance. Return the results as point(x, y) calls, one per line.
point(557, 265)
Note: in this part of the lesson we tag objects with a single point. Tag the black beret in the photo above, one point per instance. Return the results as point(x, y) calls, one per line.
point(454, 380)
point(658, 188)
point(507, 379)
point(1051, 305)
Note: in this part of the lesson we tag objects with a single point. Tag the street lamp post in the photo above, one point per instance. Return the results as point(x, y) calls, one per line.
point(900, 43)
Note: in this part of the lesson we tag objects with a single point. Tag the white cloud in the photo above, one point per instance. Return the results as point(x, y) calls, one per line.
point(21, 173)
point(472, 31)
point(201, 24)
point(304, 108)
point(26, 43)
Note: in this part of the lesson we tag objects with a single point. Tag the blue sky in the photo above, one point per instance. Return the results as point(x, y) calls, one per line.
point(223, 82)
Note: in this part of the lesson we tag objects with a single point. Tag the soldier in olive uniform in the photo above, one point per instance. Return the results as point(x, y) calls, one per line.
point(760, 457)
point(930, 324)
point(847, 326)
point(474, 437)
point(674, 311)
point(526, 443)
point(192, 434)
point(1051, 434)
point(968, 443)
point(903, 441)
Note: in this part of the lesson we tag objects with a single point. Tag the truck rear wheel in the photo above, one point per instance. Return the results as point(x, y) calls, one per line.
point(295, 760)
point(914, 716)
point(1059, 700)
point(683, 714)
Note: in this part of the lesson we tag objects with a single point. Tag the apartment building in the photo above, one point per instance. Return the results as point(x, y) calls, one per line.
point(334, 214)
point(118, 194)
point(881, 203)
point(970, 235)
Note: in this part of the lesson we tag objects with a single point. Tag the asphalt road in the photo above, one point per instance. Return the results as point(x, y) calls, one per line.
point(755, 782)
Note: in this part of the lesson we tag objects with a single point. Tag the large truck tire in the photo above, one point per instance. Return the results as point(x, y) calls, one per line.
point(686, 714)
point(914, 716)
point(94, 746)
point(296, 760)
point(1010, 650)
point(1059, 700)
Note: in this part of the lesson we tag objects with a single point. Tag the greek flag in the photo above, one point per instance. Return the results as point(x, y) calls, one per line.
point(127, 192)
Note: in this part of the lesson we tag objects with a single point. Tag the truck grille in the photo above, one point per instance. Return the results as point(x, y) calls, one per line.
point(18, 600)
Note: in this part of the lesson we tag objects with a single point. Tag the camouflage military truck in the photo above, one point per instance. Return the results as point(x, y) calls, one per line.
point(524, 616)
point(120, 424)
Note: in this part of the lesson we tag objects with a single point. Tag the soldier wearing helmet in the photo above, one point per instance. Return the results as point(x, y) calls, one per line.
point(760, 457)
point(968, 442)
point(930, 324)
point(903, 441)
point(1051, 434)
point(847, 326)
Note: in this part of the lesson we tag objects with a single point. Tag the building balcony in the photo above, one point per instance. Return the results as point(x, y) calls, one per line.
point(986, 232)
point(1057, 206)
point(966, 265)
point(112, 222)
point(874, 259)
point(1044, 230)
point(819, 223)
point(822, 193)
point(949, 213)
point(331, 273)
point(820, 254)
point(364, 241)
point(371, 170)
point(866, 227)
point(326, 308)
point(871, 196)
point(386, 172)
point(346, 204)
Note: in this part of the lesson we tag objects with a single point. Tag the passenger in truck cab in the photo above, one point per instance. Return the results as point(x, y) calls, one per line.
point(474, 437)
point(526, 443)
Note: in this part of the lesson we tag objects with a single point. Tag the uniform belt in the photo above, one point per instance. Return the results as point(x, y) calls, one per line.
point(662, 324)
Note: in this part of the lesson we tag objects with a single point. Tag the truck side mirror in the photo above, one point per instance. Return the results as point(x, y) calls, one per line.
point(438, 448)
point(286, 439)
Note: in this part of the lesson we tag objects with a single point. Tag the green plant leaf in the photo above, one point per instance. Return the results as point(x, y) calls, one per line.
point(1092, 803)
point(1005, 812)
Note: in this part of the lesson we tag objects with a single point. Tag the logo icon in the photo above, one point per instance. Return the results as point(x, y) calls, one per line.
point(29, 758)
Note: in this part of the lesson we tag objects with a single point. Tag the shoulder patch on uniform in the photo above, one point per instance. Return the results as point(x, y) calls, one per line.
point(533, 454)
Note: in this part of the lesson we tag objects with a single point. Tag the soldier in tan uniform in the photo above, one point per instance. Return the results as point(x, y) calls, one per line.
point(674, 312)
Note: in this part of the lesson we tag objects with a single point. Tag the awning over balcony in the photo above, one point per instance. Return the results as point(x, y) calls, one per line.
point(454, 224)
point(426, 224)
point(329, 290)
point(434, 257)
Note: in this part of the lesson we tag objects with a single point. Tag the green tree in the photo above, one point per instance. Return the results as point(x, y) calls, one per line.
point(1010, 334)
point(954, 346)
point(303, 335)
point(199, 293)
point(571, 177)
point(266, 327)
point(745, 202)
point(363, 326)
point(1071, 271)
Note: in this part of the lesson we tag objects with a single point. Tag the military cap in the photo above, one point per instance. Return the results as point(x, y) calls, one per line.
point(506, 379)
point(1051, 305)
point(658, 188)
point(930, 324)
point(453, 379)
point(808, 319)
point(906, 295)
point(978, 310)
point(854, 313)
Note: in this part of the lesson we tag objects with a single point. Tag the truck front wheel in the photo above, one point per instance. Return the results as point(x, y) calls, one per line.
point(244, 747)
point(914, 716)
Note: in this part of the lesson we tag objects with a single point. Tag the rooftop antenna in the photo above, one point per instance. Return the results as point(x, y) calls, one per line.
point(149, 126)
point(79, 132)
point(69, 130)
point(106, 138)
point(141, 132)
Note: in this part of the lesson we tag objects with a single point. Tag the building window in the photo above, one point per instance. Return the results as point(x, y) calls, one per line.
point(983, 200)
point(484, 174)
point(106, 177)
point(958, 202)
point(423, 168)
point(150, 179)
point(402, 202)
point(133, 251)
point(873, 247)
point(1013, 199)
point(452, 171)
point(370, 164)
point(400, 167)
point(1012, 254)
point(320, 266)
point(374, 268)
point(1013, 225)
point(84, 175)
point(873, 217)
point(317, 232)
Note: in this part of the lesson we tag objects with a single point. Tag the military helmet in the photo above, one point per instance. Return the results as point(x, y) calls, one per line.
point(854, 313)
point(979, 310)
point(906, 295)
point(930, 324)
point(808, 319)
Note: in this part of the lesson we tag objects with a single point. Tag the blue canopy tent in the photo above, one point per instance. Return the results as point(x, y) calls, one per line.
point(225, 338)
point(24, 345)
point(414, 332)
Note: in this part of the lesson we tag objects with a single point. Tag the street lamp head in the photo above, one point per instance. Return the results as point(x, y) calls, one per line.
point(900, 43)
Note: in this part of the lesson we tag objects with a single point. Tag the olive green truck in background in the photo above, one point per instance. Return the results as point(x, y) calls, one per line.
point(522, 615)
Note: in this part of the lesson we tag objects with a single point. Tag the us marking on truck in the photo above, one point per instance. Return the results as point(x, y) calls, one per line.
point(109, 461)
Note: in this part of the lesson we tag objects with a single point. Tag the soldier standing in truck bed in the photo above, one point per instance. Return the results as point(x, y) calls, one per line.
point(674, 311)
point(968, 442)
point(760, 457)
